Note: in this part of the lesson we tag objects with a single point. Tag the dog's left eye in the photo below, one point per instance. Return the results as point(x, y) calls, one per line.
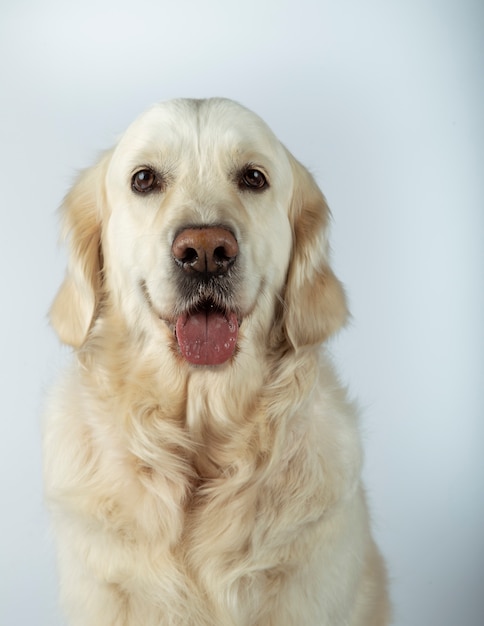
point(145, 180)
point(254, 179)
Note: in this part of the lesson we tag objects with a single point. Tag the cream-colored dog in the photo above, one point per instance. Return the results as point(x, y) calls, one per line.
point(202, 462)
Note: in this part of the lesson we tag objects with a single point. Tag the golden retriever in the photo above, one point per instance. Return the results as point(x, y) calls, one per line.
point(202, 462)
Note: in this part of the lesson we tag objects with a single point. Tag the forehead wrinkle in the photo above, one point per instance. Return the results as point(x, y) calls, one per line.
point(224, 151)
point(163, 128)
point(200, 140)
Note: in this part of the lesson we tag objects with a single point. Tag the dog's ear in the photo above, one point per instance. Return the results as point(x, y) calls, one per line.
point(314, 300)
point(74, 307)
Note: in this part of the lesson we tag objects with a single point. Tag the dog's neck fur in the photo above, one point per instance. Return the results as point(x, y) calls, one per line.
point(206, 415)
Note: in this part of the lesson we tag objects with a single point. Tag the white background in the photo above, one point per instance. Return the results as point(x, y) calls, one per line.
point(384, 101)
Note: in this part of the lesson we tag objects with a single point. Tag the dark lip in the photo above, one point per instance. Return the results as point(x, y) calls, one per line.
point(205, 302)
point(208, 305)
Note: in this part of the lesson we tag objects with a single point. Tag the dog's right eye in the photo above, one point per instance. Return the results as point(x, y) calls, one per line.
point(145, 180)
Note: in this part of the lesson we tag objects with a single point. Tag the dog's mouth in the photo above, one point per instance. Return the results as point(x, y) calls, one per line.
point(207, 334)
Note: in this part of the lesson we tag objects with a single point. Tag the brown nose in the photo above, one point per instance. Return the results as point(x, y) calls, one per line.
point(207, 250)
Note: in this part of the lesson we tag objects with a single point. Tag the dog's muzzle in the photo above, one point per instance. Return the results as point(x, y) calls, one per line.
point(207, 332)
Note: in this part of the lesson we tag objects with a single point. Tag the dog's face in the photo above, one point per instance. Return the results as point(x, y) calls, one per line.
point(194, 227)
point(198, 223)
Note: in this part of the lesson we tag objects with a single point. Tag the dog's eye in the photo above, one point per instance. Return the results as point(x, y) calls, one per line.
point(144, 181)
point(253, 179)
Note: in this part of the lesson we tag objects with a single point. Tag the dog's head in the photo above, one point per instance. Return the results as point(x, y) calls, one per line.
point(199, 228)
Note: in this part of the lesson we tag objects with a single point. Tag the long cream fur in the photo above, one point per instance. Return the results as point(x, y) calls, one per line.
point(187, 495)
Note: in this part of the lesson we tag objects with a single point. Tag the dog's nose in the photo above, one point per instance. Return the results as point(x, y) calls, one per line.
point(207, 250)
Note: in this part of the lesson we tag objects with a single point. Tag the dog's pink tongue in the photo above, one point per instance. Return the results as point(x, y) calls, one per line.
point(207, 338)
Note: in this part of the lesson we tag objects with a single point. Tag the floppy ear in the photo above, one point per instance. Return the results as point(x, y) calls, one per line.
point(314, 299)
point(74, 307)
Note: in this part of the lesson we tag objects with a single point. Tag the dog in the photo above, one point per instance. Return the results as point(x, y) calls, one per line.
point(202, 462)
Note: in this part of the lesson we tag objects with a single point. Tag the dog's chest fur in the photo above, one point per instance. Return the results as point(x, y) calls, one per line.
point(192, 484)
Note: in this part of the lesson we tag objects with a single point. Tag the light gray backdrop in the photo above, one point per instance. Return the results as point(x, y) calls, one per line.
point(384, 101)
